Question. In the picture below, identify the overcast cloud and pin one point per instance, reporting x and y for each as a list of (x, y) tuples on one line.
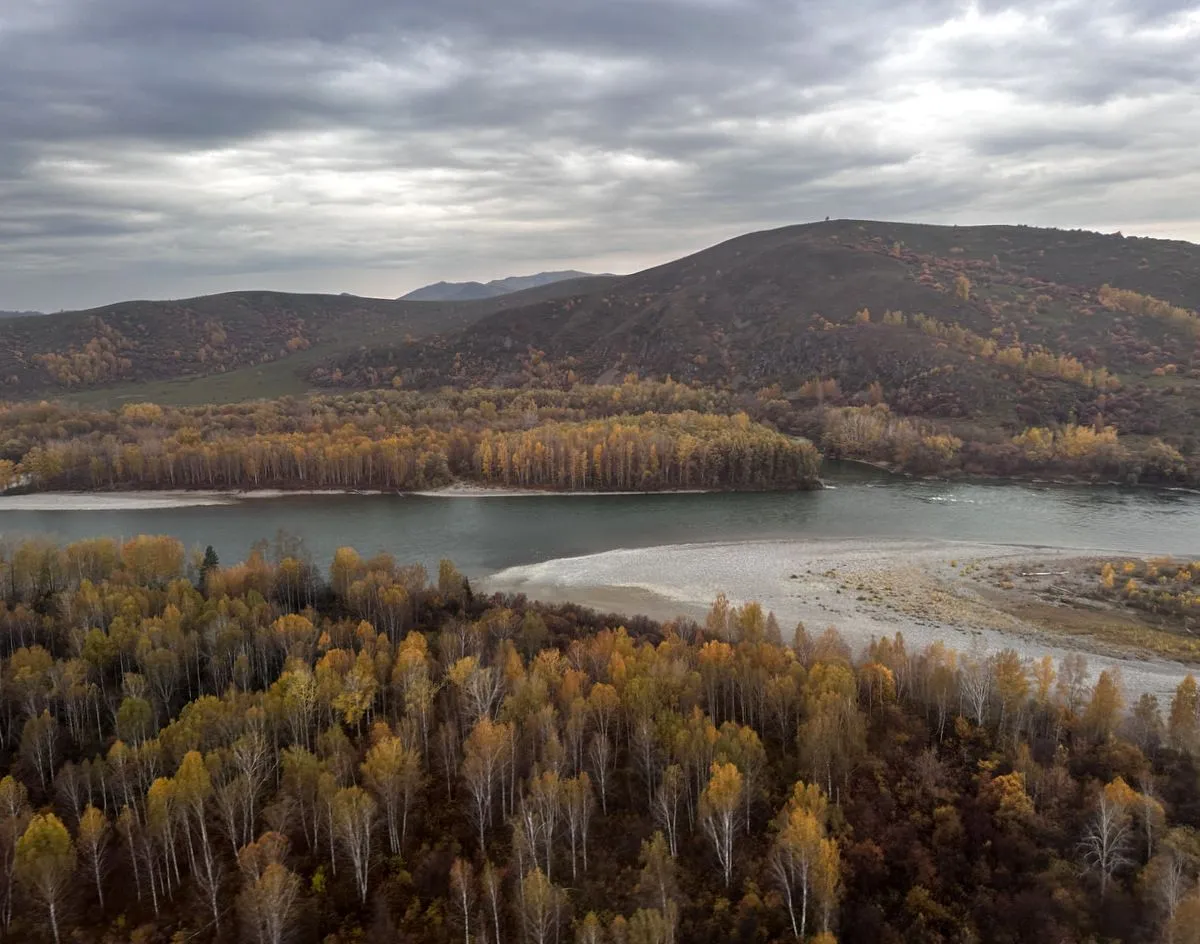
[(164, 148)]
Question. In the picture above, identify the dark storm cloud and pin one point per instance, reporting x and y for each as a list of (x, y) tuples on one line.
[(170, 146)]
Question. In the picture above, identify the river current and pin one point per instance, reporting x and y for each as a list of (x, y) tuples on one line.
[(485, 534)]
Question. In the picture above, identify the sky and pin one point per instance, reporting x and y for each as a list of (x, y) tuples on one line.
[(169, 148)]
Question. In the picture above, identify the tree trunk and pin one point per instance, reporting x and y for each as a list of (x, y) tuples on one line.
[(804, 907), (96, 873)]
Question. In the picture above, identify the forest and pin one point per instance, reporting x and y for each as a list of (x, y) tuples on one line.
[(634, 435), (195, 751), (609, 439)]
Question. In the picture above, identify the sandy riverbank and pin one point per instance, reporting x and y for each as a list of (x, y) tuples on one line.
[(181, 498), (928, 590), (143, 500)]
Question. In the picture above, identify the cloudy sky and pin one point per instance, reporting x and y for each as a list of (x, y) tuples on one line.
[(164, 148)]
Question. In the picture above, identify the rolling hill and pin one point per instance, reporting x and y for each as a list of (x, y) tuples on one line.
[(983, 330), (998, 326), (220, 347), (466, 291)]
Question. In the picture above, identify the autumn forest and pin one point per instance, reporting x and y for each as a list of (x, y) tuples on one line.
[(638, 435), (631, 437), (262, 752)]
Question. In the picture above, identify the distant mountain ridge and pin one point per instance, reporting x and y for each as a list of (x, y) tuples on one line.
[(19, 314), (468, 291)]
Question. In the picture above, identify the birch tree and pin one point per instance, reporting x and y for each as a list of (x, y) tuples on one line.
[(658, 880), (601, 763), (38, 740), (301, 781), (976, 683), (1106, 841), (540, 907), (795, 855), (254, 759), (668, 799), (392, 772), (579, 803), (193, 788), (720, 805), (546, 802), (45, 863), (94, 830), (270, 889), (1166, 876), (462, 891), (353, 822), (14, 817), (827, 881), (481, 769), (491, 881), (590, 930)]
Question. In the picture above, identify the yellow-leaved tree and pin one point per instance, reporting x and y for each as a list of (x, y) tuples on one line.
[(720, 806), (1183, 723), (94, 831), (805, 863), (45, 864), (392, 772), (270, 889)]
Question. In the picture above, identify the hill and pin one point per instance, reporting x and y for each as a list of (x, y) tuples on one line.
[(18, 314), (992, 328), (1010, 339), (219, 347), (465, 291)]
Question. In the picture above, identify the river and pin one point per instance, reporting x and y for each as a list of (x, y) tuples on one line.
[(486, 534)]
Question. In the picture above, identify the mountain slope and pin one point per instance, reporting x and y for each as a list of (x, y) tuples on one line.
[(117, 347), (465, 291), (1001, 325), (986, 330)]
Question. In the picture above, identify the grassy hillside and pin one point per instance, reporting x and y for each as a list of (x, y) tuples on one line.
[(219, 347), (999, 327)]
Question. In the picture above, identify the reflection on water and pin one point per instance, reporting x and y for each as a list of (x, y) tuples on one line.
[(483, 535)]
